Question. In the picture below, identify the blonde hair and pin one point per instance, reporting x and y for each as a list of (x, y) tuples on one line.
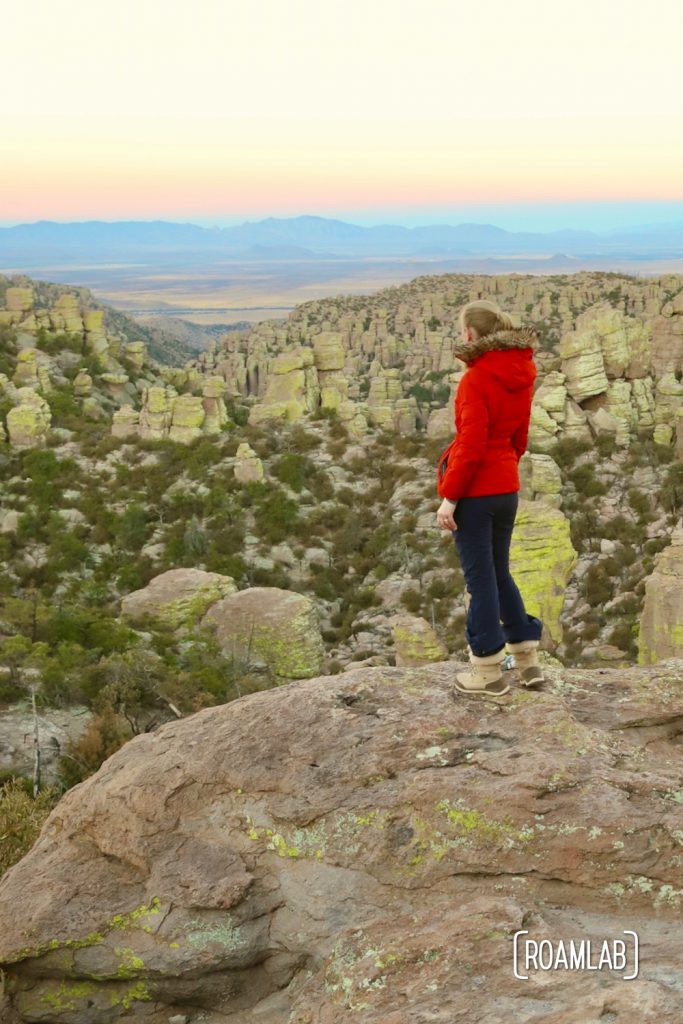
[(486, 317)]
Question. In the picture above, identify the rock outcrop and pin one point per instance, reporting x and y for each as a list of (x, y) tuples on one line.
[(540, 479), (28, 422), (248, 466), (293, 388), (266, 627), (178, 598), (610, 362), (660, 634), (541, 561), (415, 642), (364, 847)]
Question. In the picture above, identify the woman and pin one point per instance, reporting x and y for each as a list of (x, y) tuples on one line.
[(478, 479)]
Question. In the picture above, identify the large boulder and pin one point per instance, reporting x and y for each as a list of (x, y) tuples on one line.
[(29, 421), (187, 418), (661, 622), (364, 847), (125, 422), (19, 299), (542, 558), (293, 388), (541, 479), (272, 628), (177, 598), (415, 642), (248, 466), (582, 363)]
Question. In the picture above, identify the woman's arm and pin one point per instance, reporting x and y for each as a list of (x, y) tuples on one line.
[(469, 449)]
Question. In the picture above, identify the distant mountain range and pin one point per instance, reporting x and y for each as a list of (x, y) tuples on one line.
[(308, 237)]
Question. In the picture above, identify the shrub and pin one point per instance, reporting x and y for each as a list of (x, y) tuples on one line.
[(21, 818), (639, 501), (625, 555), (598, 585), (672, 489), (293, 469), (47, 341), (412, 600), (105, 734), (622, 637), (566, 450), (65, 409), (303, 440), (582, 476), (619, 528), (606, 445), (655, 544)]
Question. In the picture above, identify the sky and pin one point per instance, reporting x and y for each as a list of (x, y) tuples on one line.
[(530, 115)]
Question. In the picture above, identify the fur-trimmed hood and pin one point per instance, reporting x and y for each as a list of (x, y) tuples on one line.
[(512, 337), (509, 355)]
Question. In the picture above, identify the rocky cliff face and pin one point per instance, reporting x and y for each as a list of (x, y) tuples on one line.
[(60, 345), (612, 362), (661, 622), (364, 846)]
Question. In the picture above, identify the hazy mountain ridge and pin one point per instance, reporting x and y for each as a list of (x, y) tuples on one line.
[(296, 236)]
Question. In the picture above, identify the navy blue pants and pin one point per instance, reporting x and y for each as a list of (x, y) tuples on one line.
[(485, 525)]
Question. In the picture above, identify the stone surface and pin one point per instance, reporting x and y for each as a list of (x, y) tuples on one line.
[(187, 418), (661, 621), (541, 561), (415, 641), (178, 597), (29, 421), (364, 847), (248, 466), (19, 299), (156, 411), (125, 422), (540, 478), (293, 388), (270, 627), (56, 726)]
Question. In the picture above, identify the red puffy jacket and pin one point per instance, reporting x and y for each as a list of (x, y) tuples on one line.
[(492, 411)]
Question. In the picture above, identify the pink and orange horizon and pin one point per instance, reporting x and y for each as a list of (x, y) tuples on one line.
[(281, 109)]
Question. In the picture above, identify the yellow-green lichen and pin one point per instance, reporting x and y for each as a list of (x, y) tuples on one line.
[(65, 995), (130, 965), (475, 825), (133, 918), (126, 997), (343, 831)]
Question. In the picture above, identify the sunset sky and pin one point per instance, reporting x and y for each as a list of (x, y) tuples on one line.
[(525, 114)]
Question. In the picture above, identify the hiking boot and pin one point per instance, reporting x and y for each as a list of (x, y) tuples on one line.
[(526, 662), (485, 675)]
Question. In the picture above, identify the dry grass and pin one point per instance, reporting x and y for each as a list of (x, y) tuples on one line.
[(21, 819)]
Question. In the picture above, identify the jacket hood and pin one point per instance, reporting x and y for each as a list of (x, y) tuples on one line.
[(507, 354)]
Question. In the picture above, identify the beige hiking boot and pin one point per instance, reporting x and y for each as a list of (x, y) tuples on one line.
[(526, 662), (485, 675)]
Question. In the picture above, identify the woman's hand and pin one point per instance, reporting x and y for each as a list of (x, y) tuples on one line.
[(444, 516)]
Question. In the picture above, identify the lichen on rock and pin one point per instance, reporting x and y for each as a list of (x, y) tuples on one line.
[(350, 844)]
